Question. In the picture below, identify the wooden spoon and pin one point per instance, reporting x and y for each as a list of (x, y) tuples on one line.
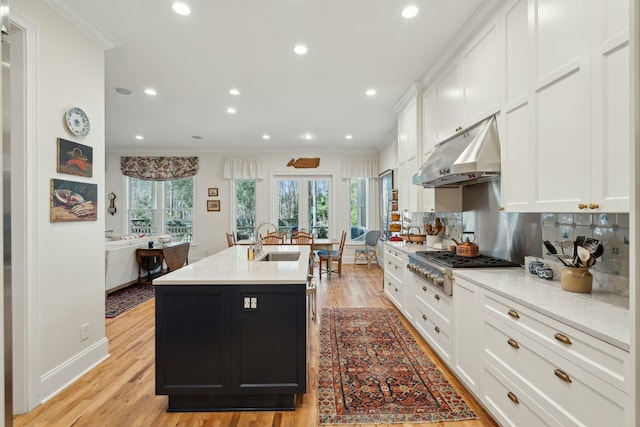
[(584, 256)]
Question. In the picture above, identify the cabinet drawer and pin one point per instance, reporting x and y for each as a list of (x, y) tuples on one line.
[(598, 357), (508, 403), (394, 264), (434, 334), (393, 287), (567, 391), (434, 304)]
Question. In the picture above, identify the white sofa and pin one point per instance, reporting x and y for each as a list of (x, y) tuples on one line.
[(121, 267)]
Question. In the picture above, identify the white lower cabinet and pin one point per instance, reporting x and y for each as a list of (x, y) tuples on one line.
[(466, 329), (395, 263), (571, 385)]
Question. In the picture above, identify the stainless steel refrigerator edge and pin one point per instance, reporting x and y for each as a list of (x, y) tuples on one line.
[(6, 214), (500, 234)]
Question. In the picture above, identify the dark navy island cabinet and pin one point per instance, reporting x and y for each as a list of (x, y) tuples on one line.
[(230, 347)]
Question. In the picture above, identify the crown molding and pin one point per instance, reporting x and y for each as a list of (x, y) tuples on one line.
[(85, 24)]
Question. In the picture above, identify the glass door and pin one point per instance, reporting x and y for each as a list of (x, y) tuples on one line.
[(302, 202)]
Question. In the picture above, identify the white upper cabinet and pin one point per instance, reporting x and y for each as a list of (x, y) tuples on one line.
[(408, 131), (409, 111), (610, 106), (565, 129), (481, 65), (449, 100), (429, 121)]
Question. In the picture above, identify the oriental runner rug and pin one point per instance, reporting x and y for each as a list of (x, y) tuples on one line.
[(124, 299), (373, 371)]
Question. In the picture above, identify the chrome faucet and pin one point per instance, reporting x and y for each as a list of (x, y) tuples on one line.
[(258, 237)]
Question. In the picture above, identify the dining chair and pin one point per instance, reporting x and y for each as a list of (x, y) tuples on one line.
[(332, 256), (304, 238), (231, 239), (312, 291), (369, 252), (273, 238)]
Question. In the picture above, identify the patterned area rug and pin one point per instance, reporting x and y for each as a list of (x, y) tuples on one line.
[(373, 371), (122, 300)]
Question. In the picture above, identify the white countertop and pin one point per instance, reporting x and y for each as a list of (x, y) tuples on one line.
[(409, 248), (603, 315), (231, 267)]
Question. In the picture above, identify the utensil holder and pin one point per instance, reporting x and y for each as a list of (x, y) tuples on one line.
[(575, 279)]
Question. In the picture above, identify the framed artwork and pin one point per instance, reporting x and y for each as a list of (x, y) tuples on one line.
[(213, 192), (213, 205), (73, 201), (74, 158)]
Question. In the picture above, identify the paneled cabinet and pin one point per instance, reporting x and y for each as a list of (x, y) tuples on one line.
[(395, 262), (566, 127), (409, 112)]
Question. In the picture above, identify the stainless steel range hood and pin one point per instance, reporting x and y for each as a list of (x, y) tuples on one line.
[(469, 157)]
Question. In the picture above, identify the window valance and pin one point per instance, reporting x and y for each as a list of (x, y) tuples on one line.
[(247, 168), (359, 168), (159, 168)]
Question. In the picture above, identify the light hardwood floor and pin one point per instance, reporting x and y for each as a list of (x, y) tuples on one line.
[(120, 392)]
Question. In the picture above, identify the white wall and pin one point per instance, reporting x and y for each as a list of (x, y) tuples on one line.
[(210, 227), (67, 266)]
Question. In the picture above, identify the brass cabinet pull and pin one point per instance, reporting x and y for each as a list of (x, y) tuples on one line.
[(437, 329), (582, 205), (396, 289), (436, 296), (513, 314), (512, 397), (562, 338), (513, 343), (424, 288), (501, 208), (424, 317), (593, 206), (562, 375)]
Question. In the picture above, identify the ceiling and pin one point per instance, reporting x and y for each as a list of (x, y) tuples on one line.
[(193, 61)]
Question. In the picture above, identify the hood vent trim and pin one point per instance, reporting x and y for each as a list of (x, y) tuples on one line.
[(469, 157)]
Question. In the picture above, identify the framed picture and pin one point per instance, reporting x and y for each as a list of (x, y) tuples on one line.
[(74, 158), (213, 192), (73, 201), (213, 205)]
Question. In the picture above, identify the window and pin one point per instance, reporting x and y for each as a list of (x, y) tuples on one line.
[(303, 203), (245, 211), (161, 207), (359, 214)]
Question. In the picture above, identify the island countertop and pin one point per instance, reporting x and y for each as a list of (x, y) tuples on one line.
[(231, 266)]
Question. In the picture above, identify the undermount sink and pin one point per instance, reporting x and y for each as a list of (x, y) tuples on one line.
[(280, 256)]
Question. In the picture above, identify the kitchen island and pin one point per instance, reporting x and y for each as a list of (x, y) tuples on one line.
[(231, 333)]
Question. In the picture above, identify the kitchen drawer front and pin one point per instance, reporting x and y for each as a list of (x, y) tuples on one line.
[(568, 392), (435, 335), (394, 289), (508, 404), (600, 358), (395, 264), (434, 304)]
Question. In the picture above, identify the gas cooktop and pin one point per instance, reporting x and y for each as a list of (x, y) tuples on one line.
[(451, 260)]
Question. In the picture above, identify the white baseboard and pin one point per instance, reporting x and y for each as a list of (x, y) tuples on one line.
[(56, 380)]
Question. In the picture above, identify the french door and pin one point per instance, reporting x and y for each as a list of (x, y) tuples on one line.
[(302, 202)]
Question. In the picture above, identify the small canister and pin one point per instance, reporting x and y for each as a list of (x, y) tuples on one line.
[(545, 273), (251, 253), (534, 266)]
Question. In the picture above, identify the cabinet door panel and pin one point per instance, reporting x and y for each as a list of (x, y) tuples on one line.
[(449, 94), (517, 167), (516, 53), (560, 34), (192, 343), (268, 340), (429, 121)]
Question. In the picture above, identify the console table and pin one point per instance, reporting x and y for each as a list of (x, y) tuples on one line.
[(173, 255)]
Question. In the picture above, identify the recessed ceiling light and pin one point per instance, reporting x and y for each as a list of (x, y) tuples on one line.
[(139, 137), (410, 12), (371, 92), (348, 136), (123, 91), (231, 110), (234, 91), (196, 137), (300, 49), (151, 92), (181, 8), (308, 136), (265, 136)]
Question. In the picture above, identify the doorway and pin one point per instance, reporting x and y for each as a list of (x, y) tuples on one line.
[(302, 202)]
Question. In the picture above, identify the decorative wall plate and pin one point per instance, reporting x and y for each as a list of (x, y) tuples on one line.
[(78, 122)]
